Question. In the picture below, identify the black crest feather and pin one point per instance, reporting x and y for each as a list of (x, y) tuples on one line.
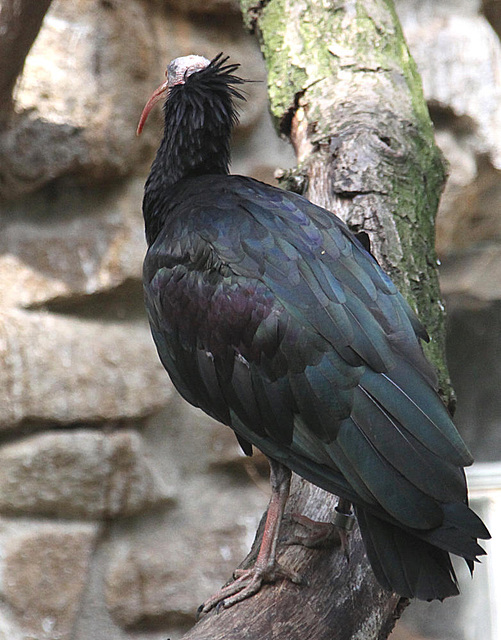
[(215, 84)]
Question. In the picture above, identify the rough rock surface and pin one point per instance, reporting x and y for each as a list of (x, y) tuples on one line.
[(167, 586), (458, 54), (69, 241), (79, 474), (44, 571), (72, 89), (63, 369), (210, 7), (85, 83)]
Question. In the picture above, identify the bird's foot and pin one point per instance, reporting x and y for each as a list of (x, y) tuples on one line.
[(316, 534), (249, 580), (310, 533), (246, 583)]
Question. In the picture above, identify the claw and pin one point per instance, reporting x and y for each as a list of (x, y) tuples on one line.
[(247, 583)]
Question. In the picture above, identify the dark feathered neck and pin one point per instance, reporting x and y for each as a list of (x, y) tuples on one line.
[(199, 116)]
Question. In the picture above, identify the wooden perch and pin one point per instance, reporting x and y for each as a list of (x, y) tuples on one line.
[(339, 598), (345, 89)]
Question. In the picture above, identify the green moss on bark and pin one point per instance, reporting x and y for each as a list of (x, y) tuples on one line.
[(318, 50)]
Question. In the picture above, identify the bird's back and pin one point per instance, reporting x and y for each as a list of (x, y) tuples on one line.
[(270, 316)]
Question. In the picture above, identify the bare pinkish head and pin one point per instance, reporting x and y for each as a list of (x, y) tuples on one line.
[(176, 73)]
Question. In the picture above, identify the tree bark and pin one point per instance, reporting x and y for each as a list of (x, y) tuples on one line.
[(20, 22), (344, 88)]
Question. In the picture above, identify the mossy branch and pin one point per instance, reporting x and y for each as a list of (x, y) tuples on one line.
[(344, 88)]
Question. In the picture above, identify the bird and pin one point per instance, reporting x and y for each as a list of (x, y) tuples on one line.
[(272, 317)]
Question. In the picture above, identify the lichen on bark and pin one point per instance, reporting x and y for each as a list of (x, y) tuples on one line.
[(345, 89)]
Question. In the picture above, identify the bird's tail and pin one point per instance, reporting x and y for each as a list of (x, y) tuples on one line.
[(411, 566)]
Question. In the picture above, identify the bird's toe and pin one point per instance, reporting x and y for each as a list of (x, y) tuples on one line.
[(312, 534), (246, 583)]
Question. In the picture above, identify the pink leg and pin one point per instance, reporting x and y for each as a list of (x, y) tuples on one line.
[(249, 581)]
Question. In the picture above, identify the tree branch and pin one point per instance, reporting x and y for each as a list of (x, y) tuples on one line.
[(345, 89), (339, 597), (20, 22)]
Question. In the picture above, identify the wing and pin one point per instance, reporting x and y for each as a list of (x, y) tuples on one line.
[(270, 316)]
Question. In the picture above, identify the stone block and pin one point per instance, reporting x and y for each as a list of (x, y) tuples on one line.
[(80, 93), (68, 242), (64, 369), (458, 55), (165, 584), (44, 573), (84, 474), (208, 7), (472, 279)]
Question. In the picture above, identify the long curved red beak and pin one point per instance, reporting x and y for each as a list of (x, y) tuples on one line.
[(157, 95)]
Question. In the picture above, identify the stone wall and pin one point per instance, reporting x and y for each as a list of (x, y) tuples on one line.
[(121, 508), (458, 53)]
